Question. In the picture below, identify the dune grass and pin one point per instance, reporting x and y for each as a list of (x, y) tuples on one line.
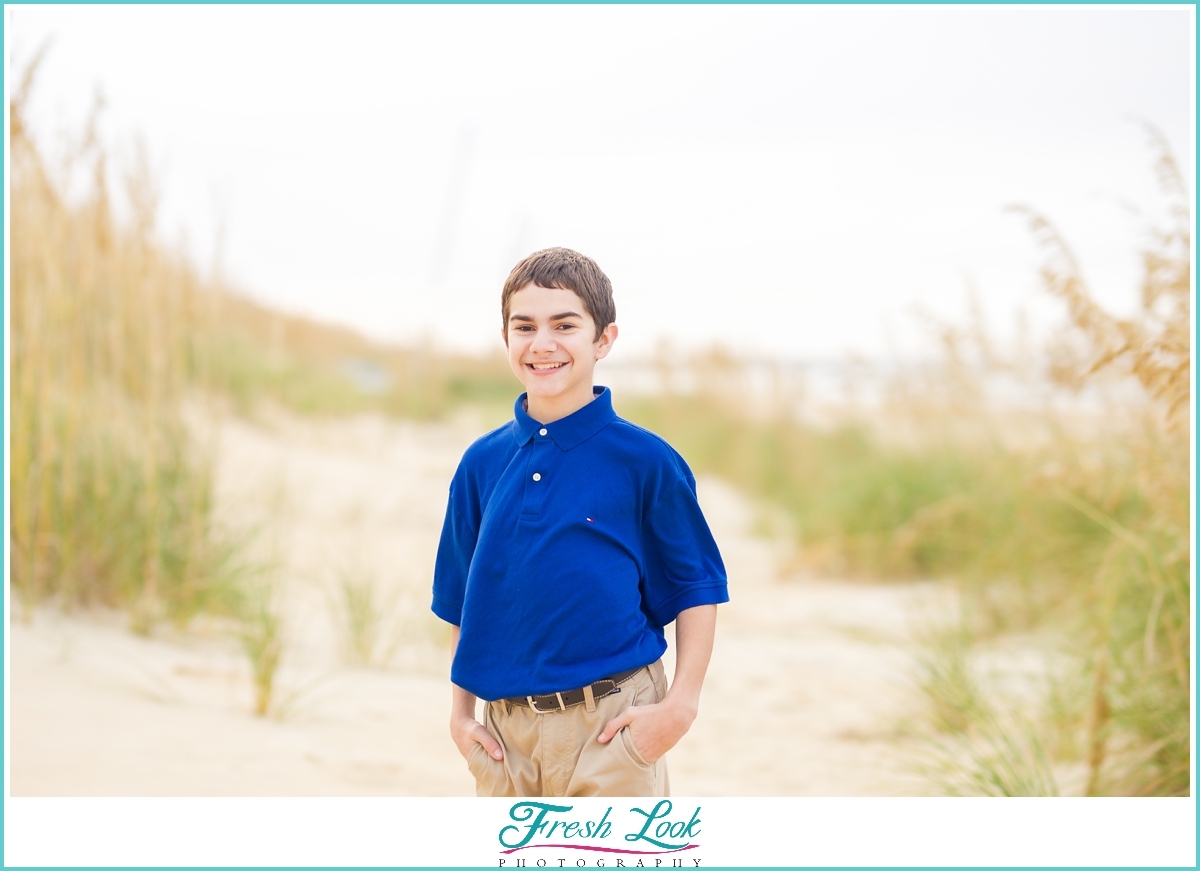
[(112, 333), (111, 501), (260, 631), (365, 616), (1076, 533), (321, 370), (1066, 514)]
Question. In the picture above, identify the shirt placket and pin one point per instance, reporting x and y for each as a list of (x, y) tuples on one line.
[(537, 477)]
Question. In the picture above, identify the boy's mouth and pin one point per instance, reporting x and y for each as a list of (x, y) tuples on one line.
[(544, 367)]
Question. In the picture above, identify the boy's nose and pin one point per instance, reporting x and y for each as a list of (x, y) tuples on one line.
[(544, 340)]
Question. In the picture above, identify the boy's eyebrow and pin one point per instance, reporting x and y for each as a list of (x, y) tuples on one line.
[(557, 317)]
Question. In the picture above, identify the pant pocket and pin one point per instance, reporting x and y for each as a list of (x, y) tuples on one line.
[(477, 759), (616, 767), (631, 748), (491, 775), (646, 690)]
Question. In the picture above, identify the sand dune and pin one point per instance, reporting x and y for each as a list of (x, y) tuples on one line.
[(807, 693)]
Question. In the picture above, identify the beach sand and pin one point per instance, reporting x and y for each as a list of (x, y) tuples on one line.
[(808, 694)]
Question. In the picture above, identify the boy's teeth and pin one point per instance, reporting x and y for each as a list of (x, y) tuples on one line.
[(545, 365)]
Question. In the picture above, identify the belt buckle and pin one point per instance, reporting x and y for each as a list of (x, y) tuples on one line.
[(533, 705)]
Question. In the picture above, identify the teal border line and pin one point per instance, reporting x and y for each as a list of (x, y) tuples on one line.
[(4, 363), (4, 374), (919, 3)]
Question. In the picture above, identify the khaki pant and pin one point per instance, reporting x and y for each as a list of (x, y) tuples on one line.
[(557, 754)]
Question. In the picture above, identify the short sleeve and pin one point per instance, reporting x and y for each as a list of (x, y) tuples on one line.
[(454, 553), (683, 565)]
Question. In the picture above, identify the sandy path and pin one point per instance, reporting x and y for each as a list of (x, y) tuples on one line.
[(806, 695)]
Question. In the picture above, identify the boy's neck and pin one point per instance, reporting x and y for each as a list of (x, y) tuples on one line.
[(547, 410)]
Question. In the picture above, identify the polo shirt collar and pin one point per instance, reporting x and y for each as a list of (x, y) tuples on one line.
[(572, 430)]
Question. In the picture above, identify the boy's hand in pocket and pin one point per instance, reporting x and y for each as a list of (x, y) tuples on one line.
[(655, 729), (467, 731)]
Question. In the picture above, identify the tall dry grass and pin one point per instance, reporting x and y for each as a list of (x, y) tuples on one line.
[(113, 332), (113, 336), (111, 501), (1050, 485)]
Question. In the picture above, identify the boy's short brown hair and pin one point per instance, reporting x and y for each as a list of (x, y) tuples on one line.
[(569, 270)]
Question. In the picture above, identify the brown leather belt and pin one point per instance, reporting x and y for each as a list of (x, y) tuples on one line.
[(552, 702)]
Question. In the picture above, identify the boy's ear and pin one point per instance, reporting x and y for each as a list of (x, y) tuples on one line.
[(607, 336), (504, 335)]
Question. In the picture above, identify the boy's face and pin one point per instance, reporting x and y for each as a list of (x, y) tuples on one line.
[(552, 349)]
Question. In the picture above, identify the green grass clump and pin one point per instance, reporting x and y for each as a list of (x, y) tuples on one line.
[(362, 612), (260, 630), (261, 356)]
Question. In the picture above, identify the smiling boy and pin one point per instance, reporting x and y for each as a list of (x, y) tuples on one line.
[(572, 538)]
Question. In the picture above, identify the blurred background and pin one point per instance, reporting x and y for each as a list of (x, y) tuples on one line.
[(910, 290)]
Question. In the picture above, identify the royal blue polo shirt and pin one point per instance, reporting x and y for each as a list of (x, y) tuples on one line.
[(567, 547)]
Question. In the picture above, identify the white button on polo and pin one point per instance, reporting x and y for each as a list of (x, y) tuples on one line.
[(542, 431), (537, 476)]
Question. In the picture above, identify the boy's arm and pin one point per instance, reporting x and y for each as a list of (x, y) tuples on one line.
[(464, 728), (657, 728)]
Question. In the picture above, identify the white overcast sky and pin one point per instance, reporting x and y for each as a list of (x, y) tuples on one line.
[(787, 180)]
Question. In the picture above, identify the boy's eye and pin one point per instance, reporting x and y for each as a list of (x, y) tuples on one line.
[(530, 328)]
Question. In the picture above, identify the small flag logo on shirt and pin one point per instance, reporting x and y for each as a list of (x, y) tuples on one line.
[(589, 520)]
